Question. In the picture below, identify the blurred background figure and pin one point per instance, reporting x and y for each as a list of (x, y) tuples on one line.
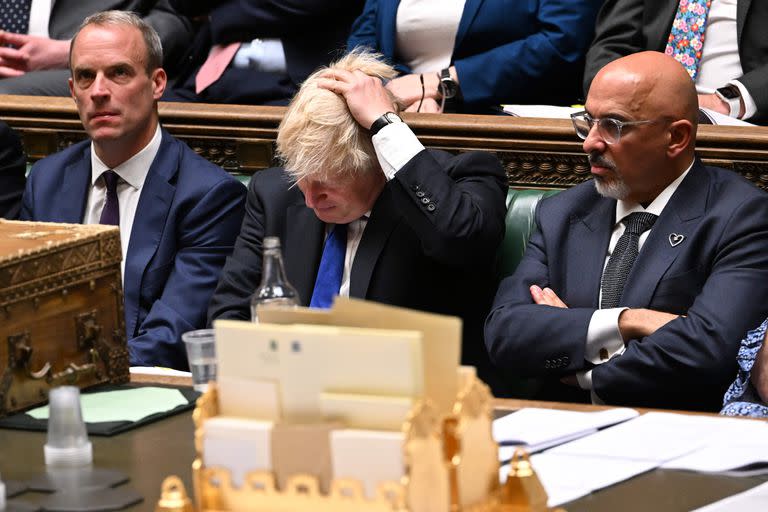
[(257, 52), (722, 43), (483, 52), (35, 37), (12, 169)]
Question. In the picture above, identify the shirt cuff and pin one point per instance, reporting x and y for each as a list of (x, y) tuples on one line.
[(603, 336), (750, 107), (395, 146)]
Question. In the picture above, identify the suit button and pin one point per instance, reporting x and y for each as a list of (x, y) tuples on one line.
[(566, 360), (431, 207), (425, 200), (420, 193), (414, 187), (547, 364)]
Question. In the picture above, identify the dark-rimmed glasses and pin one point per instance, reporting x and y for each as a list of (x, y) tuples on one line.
[(608, 128)]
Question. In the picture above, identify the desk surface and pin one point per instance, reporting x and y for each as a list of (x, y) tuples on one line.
[(150, 453)]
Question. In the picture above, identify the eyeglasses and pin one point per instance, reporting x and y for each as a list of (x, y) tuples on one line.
[(608, 127)]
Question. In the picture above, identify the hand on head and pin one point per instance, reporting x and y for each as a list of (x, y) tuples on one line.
[(365, 95)]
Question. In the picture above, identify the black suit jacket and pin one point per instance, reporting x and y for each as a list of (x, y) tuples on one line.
[(412, 255), (628, 26), (716, 277), (312, 31), (12, 171)]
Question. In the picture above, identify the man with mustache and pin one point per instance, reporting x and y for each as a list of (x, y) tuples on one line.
[(178, 214), (638, 285)]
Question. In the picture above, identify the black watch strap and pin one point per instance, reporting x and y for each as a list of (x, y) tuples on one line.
[(384, 120)]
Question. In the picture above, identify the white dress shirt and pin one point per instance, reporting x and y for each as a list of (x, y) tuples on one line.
[(720, 62), (604, 339), (426, 33), (395, 145), (39, 17), (132, 174)]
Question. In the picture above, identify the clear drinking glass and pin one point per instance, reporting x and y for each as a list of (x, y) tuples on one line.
[(201, 354)]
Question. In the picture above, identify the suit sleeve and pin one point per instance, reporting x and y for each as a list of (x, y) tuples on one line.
[(455, 205), (506, 72), (242, 271), (12, 171), (618, 33), (206, 234), (175, 31), (363, 31), (524, 338), (695, 355)]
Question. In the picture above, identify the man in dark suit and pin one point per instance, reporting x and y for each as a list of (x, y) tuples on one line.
[(178, 214), (422, 227), (36, 63), (280, 43), (734, 56), (639, 284), (13, 166)]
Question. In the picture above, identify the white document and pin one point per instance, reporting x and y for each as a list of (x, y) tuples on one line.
[(537, 429), (738, 459), (370, 456), (545, 111), (722, 119), (238, 445), (654, 437), (753, 500), (566, 477)]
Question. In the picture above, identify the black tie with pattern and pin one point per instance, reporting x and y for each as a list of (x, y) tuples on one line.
[(623, 257), (14, 16)]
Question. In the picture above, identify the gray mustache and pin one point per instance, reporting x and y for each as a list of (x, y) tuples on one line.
[(600, 161)]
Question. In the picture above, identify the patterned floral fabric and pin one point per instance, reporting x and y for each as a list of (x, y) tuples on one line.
[(742, 399), (687, 36)]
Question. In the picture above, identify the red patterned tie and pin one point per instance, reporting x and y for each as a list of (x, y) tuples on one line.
[(213, 67), (686, 39)]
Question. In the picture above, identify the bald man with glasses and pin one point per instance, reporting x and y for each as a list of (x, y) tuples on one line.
[(637, 285)]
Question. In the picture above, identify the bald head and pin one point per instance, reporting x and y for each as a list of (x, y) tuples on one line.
[(654, 100), (653, 84)]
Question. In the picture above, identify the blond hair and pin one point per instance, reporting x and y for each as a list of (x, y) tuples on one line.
[(318, 136)]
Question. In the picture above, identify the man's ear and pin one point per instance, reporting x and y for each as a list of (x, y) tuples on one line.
[(681, 136), (159, 81), (72, 88)]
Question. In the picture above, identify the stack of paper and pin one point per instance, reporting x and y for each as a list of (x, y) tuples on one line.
[(538, 429)]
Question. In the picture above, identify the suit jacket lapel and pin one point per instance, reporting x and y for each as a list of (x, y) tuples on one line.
[(681, 215), (384, 217), (75, 184), (471, 7), (388, 15), (303, 243), (742, 7), (150, 222), (590, 235)]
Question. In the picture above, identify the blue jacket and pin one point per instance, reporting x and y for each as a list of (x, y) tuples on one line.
[(186, 222), (506, 51)]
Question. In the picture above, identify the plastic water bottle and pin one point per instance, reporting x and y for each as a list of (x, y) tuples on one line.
[(274, 288)]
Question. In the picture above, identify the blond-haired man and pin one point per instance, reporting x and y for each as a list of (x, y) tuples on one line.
[(422, 227)]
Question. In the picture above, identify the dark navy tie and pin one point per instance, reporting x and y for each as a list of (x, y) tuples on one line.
[(111, 212), (331, 268), (14, 16), (623, 257)]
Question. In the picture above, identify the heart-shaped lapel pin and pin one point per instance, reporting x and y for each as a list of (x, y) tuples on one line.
[(675, 239)]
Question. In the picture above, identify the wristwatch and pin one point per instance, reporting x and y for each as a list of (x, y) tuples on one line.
[(385, 119), (450, 88), (732, 96)]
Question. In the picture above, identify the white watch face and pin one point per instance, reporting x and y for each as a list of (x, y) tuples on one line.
[(392, 117)]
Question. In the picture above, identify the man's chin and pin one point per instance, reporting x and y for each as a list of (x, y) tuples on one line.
[(612, 189)]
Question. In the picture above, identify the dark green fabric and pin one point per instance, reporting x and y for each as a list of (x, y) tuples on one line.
[(520, 221)]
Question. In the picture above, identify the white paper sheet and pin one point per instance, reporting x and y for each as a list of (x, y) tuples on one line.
[(538, 429)]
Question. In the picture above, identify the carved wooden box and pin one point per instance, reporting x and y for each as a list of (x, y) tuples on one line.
[(61, 310)]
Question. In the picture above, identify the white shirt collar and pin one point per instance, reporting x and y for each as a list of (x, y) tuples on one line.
[(134, 170), (624, 208)]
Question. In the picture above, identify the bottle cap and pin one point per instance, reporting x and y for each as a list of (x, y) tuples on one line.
[(271, 242), (68, 443)]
